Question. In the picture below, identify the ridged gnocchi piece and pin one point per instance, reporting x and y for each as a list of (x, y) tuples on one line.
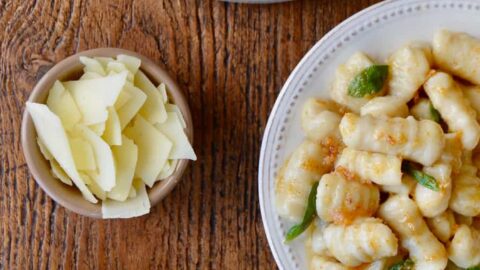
[(421, 141), (443, 225), (409, 68), (432, 203), (452, 152), (379, 168), (457, 53), (344, 75), (341, 201), (295, 179), (387, 106), (465, 198), (382, 264), (402, 215), (326, 263), (316, 242), (421, 110), (454, 108), (472, 93), (405, 187), (363, 241), (464, 250), (320, 119)]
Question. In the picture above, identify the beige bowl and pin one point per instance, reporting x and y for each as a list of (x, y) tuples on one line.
[(71, 68)]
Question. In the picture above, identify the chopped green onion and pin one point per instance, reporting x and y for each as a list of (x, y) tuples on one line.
[(434, 114), (422, 178), (402, 265), (369, 81), (307, 217)]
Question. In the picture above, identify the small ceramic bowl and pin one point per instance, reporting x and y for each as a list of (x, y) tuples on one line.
[(71, 68)]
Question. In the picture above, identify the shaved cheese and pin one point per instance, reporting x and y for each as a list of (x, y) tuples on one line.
[(168, 169), (82, 154), (99, 128), (132, 63), (172, 128), (154, 109), (113, 131), (122, 99), (90, 75), (95, 95), (174, 108), (104, 61), (132, 207), (61, 103), (88, 180), (126, 160), (131, 108), (92, 65), (132, 193), (59, 173), (118, 67), (50, 130), (103, 158), (163, 91), (93, 186), (43, 149), (153, 149)]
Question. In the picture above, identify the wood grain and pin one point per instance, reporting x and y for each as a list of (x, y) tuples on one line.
[(231, 60)]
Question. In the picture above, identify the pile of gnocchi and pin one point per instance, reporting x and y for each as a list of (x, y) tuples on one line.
[(111, 133), (387, 176)]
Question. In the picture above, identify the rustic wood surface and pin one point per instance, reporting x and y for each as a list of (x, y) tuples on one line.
[(231, 61)]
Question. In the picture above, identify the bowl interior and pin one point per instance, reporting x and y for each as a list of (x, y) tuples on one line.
[(71, 68)]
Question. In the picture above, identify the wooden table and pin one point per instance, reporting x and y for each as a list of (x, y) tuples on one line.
[(231, 61)]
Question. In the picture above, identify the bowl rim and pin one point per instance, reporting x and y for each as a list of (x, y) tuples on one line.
[(156, 72)]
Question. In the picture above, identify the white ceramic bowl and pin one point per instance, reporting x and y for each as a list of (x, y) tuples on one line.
[(377, 31)]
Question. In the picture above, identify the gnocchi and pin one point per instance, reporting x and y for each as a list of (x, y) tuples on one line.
[(306, 165), (454, 108), (379, 168), (403, 216), (388, 171), (464, 250), (421, 141), (432, 203), (341, 201), (363, 241), (320, 119), (343, 76), (457, 53), (443, 225), (388, 106), (466, 192), (409, 69)]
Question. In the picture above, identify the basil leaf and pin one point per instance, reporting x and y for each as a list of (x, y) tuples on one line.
[(474, 268), (434, 114), (422, 178), (307, 217), (402, 265), (369, 81)]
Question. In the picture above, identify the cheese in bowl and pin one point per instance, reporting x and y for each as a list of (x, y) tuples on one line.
[(111, 133)]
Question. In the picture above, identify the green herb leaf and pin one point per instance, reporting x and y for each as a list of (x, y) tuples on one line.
[(402, 265), (369, 81), (422, 178), (434, 113), (474, 268), (307, 217)]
